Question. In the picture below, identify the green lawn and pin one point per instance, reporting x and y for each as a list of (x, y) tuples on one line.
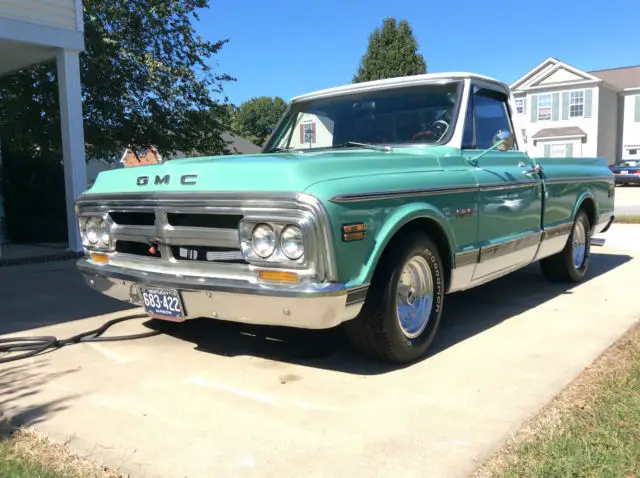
[(627, 220), (15, 465), (598, 434)]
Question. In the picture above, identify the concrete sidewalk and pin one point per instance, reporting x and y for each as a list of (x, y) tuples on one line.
[(213, 399)]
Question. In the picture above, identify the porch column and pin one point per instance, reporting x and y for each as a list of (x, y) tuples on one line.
[(75, 166)]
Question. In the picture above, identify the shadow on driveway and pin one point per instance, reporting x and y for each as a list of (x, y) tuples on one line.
[(50, 293), (465, 315), (23, 380)]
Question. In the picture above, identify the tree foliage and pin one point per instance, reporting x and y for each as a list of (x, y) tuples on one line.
[(255, 118), (392, 52), (145, 80)]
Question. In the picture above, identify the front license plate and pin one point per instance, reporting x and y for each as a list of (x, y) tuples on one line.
[(163, 304)]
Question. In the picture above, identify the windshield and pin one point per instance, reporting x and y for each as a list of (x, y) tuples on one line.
[(408, 115)]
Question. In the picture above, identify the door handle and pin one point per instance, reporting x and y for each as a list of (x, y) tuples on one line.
[(537, 169)]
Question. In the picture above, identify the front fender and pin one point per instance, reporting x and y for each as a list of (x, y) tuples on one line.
[(395, 221)]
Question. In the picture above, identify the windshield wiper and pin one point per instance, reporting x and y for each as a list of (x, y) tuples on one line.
[(377, 147)]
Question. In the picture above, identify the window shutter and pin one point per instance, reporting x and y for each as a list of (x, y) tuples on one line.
[(313, 132), (547, 150), (534, 108), (555, 106), (565, 105), (568, 150), (588, 94), (637, 116), (301, 134)]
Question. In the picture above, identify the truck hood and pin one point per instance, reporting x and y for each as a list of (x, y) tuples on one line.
[(278, 172)]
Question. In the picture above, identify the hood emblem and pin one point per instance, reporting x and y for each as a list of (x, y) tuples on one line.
[(165, 179)]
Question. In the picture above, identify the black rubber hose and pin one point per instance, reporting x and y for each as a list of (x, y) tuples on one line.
[(35, 345)]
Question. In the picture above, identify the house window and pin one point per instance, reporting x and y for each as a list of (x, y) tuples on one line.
[(544, 107), (308, 132), (558, 151), (576, 104), (520, 105)]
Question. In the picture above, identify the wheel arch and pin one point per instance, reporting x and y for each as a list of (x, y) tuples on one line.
[(423, 218), (587, 201)]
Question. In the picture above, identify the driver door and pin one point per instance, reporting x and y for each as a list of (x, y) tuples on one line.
[(510, 203)]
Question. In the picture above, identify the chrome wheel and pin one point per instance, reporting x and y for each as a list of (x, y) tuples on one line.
[(579, 246), (414, 299)]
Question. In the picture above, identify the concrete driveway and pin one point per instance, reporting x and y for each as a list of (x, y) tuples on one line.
[(207, 398)]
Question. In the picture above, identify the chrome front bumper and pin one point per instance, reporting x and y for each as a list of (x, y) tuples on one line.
[(304, 306)]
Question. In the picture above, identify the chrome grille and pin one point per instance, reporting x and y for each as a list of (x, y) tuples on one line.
[(163, 234), (196, 234)]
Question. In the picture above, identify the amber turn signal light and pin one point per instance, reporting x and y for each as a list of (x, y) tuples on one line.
[(99, 258), (278, 276), (354, 232)]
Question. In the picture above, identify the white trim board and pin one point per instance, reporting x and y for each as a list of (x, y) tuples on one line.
[(38, 34)]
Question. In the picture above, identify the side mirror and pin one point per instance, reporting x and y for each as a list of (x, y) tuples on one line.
[(503, 140)]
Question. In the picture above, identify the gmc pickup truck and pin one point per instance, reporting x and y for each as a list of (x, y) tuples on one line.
[(368, 205)]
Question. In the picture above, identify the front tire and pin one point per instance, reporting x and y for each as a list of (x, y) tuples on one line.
[(571, 264), (403, 307)]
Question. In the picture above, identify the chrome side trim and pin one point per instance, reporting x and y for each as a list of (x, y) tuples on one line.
[(533, 246), (465, 258), (580, 179), (553, 240), (409, 193), (509, 246), (558, 230)]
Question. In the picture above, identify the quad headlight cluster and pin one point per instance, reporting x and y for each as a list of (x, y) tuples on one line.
[(272, 242), (95, 233)]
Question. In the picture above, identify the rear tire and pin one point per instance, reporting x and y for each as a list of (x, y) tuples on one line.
[(403, 307), (571, 264)]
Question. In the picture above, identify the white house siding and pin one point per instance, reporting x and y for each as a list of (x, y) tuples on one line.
[(607, 120), (54, 13), (631, 126), (560, 117)]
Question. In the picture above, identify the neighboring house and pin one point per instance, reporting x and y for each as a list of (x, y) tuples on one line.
[(316, 131), (35, 31), (235, 145), (565, 111)]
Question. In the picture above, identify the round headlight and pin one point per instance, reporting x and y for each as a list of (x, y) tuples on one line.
[(292, 242), (103, 233), (93, 226), (263, 240)]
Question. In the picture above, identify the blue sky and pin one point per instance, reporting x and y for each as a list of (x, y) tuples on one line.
[(285, 48)]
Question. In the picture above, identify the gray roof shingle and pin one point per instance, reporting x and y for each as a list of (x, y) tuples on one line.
[(621, 78), (559, 132)]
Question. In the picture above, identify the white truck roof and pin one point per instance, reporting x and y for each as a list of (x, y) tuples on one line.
[(413, 80)]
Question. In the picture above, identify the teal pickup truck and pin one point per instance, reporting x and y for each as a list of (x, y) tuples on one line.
[(367, 206)]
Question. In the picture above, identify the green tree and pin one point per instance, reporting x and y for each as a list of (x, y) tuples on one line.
[(255, 118), (392, 52), (145, 80)]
